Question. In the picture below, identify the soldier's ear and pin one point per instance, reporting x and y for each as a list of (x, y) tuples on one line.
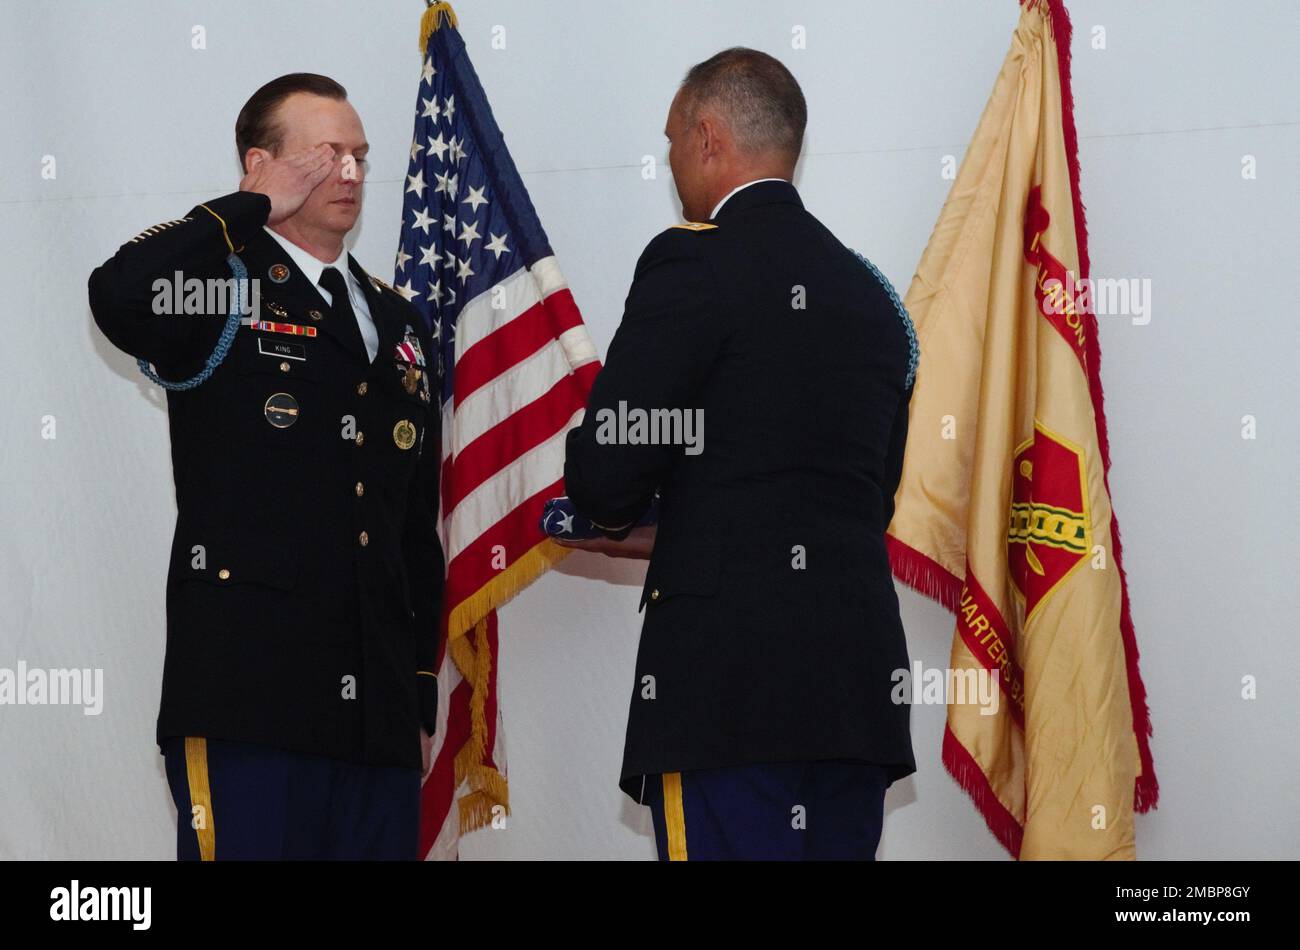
[(708, 141), (254, 158)]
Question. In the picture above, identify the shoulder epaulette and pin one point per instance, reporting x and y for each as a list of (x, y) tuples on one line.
[(696, 226)]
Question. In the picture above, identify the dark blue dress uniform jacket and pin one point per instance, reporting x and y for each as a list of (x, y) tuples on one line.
[(305, 583), (746, 657)]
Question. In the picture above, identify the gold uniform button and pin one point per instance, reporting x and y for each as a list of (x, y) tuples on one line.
[(362, 388), (224, 574), (361, 489), (654, 594), (284, 367), (314, 314), (361, 438), (363, 539)]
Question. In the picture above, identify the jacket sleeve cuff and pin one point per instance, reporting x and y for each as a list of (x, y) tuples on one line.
[(426, 687), (616, 534)]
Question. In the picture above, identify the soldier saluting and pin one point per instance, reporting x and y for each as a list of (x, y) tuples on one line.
[(305, 580)]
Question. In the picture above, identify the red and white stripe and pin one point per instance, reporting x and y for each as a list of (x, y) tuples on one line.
[(523, 368)]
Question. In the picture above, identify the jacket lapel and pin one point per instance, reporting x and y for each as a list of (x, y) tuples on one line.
[(296, 289), (386, 323)]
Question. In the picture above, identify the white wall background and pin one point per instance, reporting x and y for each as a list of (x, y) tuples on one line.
[(141, 127)]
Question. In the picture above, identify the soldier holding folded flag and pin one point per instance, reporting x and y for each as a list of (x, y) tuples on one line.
[(761, 721)]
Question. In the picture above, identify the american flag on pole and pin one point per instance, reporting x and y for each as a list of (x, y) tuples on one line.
[(516, 366)]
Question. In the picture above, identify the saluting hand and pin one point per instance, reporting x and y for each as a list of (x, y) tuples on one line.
[(289, 179)]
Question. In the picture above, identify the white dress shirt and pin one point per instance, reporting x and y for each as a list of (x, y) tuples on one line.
[(719, 205), (312, 267)]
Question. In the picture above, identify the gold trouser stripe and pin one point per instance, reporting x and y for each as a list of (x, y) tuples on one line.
[(196, 770), (674, 816)]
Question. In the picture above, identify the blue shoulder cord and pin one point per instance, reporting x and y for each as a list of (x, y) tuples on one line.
[(915, 350), (223, 342)]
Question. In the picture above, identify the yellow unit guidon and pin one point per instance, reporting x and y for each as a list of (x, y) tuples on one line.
[(1003, 514)]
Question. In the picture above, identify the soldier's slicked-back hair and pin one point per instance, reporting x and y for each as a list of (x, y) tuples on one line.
[(257, 126), (756, 94)]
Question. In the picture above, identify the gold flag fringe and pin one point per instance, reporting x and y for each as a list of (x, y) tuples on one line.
[(434, 18), (488, 787), (495, 593)]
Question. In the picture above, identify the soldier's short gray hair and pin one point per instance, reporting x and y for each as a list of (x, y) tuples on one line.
[(757, 96)]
